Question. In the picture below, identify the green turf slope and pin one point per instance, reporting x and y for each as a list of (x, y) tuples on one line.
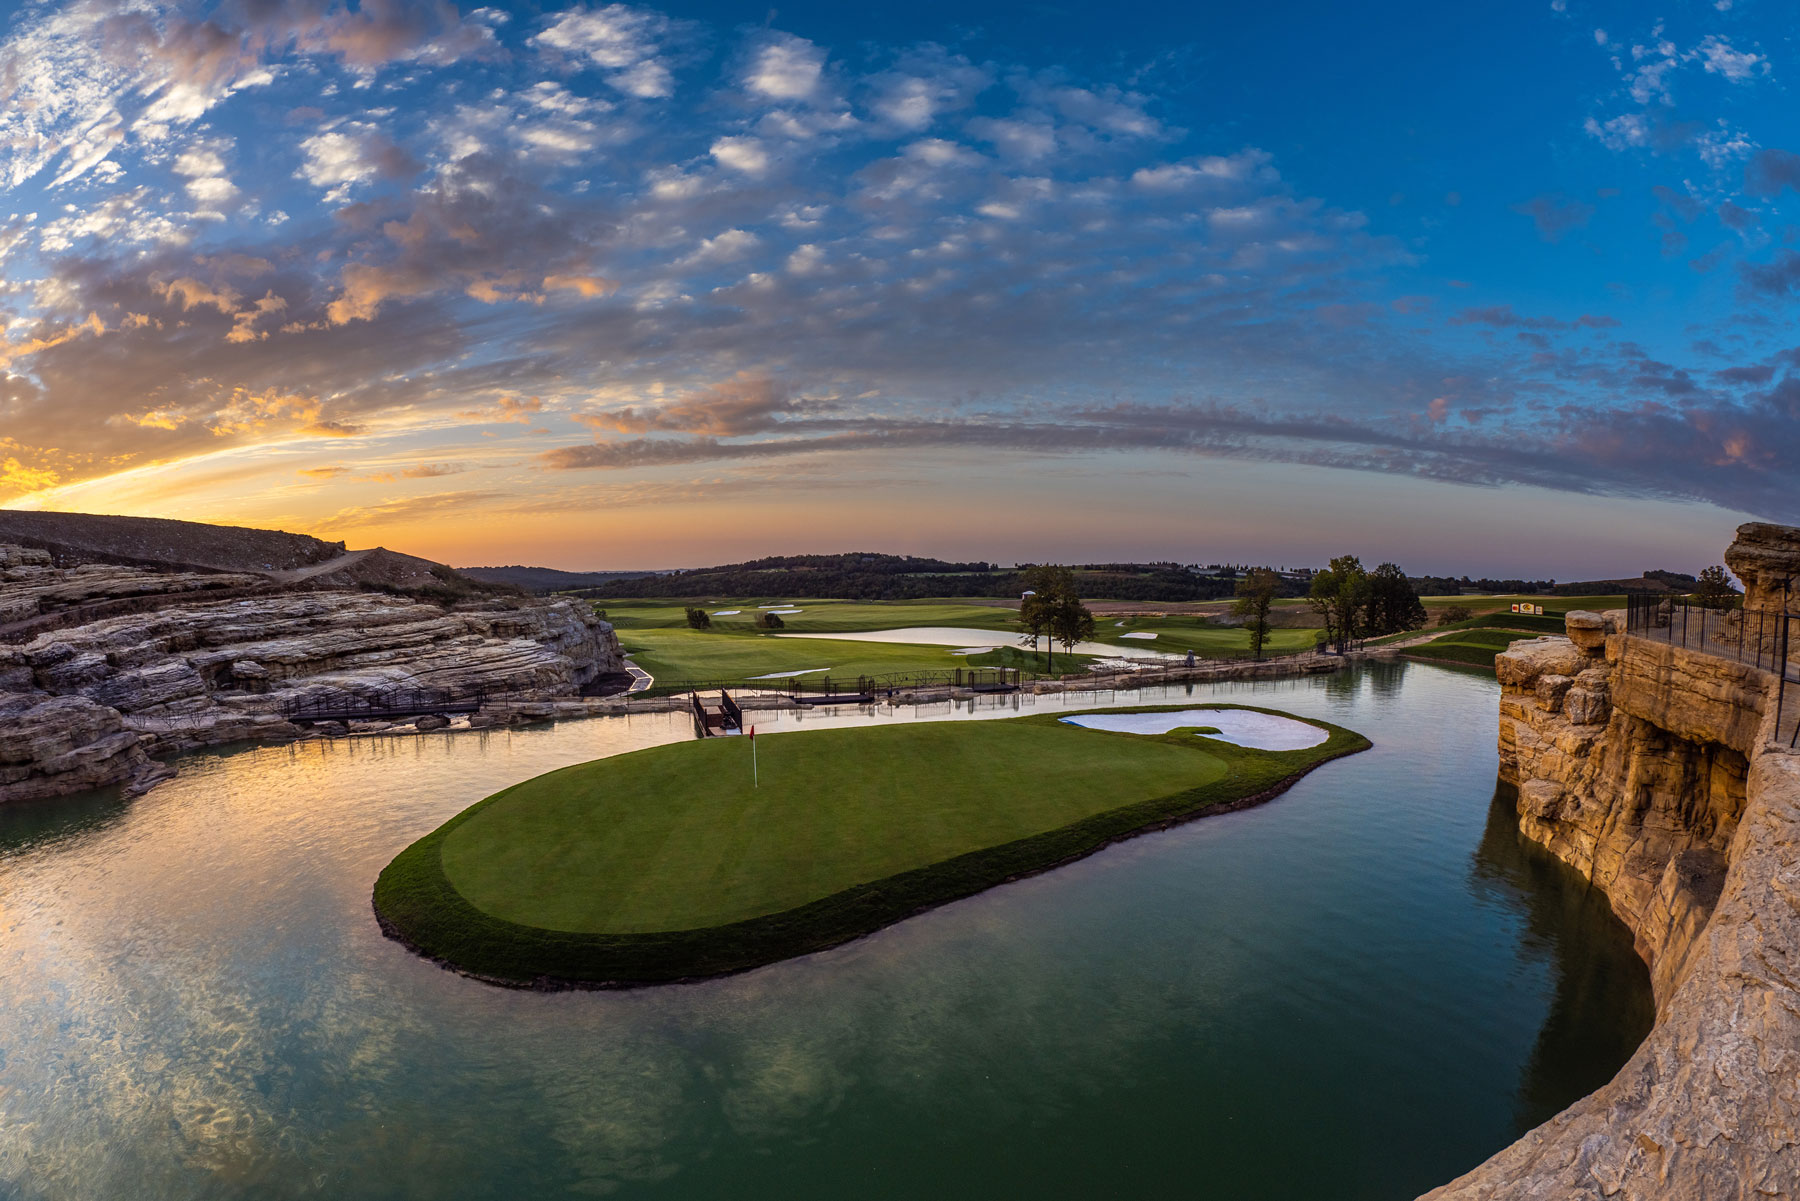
[(666, 864)]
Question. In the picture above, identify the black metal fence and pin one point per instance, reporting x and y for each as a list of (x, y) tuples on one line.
[(1755, 637)]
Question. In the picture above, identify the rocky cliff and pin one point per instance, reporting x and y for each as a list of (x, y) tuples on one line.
[(1655, 771), (85, 703)]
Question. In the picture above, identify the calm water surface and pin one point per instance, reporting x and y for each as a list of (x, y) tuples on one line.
[(1357, 991)]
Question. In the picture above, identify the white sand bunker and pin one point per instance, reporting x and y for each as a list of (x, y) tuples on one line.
[(788, 675), (726, 612), (1264, 731), (1138, 634), (975, 650)]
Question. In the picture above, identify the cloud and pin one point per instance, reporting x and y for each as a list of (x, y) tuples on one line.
[(727, 247), (1720, 58), (203, 165), (742, 154), (519, 410), (427, 471), (406, 510), (1779, 278), (785, 68), (622, 42), (1555, 215), (745, 404), (1770, 171), (338, 161), (924, 86)]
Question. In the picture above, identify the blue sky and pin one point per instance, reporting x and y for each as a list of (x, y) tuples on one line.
[(1481, 287)]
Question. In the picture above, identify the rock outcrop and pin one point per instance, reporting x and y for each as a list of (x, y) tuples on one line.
[(85, 704), (1655, 770)]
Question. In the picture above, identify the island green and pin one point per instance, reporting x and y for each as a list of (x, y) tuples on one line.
[(675, 862)]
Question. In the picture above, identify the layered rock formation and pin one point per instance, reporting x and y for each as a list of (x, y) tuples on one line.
[(85, 704), (1655, 771)]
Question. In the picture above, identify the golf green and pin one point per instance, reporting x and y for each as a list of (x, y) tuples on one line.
[(679, 862)]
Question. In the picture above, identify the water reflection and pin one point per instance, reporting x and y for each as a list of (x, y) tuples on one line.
[(199, 1004), (1601, 1006)]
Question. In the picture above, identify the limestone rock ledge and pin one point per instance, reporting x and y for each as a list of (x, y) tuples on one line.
[(1652, 770), (85, 706)]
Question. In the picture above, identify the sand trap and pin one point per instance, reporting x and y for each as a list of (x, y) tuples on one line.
[(726, 612), (1139, 634), (1264, 731), (975, 650), (788, 675), (783, 605)]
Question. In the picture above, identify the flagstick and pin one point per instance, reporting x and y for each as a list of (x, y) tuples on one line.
[(755, 779)]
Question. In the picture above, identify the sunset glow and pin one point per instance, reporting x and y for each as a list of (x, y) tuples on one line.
[(607, 287)]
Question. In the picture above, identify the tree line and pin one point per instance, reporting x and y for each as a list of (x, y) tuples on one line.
[(1351, 603)]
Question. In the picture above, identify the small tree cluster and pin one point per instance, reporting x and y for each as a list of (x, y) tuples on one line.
[(1449, 615), (1354, 603), (1714, 590), (1053, 608), (770, 621), (699, 619)]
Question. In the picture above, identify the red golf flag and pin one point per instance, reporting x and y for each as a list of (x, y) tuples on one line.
[(753, 731)]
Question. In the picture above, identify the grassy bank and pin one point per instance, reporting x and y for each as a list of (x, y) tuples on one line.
[(656, 635), (680, 658), (666, 863), (1476, 647)]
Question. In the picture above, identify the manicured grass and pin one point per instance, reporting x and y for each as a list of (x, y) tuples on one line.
[(1473, 646), (676, 837), (666, 863), (817, 616), (1176, 634), (683, 657), (658, 639), (1523, 625)]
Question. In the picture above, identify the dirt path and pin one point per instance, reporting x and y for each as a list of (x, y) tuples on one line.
[(295, 575)]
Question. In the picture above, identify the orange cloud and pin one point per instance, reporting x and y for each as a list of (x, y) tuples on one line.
[(589, 286), (510, 409), (191, 294), (12, 351)]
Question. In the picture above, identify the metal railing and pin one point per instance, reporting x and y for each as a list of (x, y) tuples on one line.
[(1768, 641)]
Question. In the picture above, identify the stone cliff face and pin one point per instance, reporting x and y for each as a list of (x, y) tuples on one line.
[(84, 705), (1655, 771)]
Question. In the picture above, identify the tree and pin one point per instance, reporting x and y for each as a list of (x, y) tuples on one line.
[(1393, 605), (1714, 590), (770, 621), (1256, 592), (1070, 621), (699, 619), (1451, 614), (1046, 584), (1339, 595)]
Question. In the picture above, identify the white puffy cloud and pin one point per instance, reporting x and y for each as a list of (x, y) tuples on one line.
[(203, 166), (339, 159), (742, 154), (623, 42), (785, 68), (1720, 58)]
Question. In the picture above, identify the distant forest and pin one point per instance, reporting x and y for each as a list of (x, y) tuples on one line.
[(904, 577)]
